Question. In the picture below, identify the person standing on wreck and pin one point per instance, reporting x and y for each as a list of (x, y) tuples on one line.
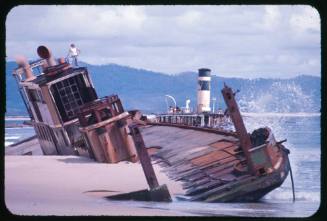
[(73, 53)]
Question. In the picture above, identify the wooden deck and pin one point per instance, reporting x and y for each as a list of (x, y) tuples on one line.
[(205, 163), (201, 160)]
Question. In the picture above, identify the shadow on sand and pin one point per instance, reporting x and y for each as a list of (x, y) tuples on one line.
[(76, 160)]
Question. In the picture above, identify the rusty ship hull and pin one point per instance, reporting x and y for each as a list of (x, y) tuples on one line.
[(207, 162)]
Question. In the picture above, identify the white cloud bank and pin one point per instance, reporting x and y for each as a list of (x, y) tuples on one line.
[(244, 41)]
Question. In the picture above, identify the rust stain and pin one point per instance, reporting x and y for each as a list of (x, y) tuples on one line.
[(222, 144), (209, 158), (153, 150)]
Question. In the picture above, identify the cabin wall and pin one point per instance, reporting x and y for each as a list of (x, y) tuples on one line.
[(128, 141), (63, 143), (46, 138), (76, 139), (31, 101), (111, 142), (70, 94), (96, 146), (53, 141), (50, 106)]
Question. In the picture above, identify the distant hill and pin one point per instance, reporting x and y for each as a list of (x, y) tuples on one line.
[(146, 90)]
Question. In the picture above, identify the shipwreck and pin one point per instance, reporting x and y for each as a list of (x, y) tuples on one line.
[(214, 164)]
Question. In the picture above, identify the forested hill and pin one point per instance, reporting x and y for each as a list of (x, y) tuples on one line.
[(146, 90)]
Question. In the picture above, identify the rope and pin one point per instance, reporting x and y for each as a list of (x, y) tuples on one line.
[(293, 191)]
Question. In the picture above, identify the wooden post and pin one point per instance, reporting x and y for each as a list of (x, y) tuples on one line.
[(144, 157), (239, 125)]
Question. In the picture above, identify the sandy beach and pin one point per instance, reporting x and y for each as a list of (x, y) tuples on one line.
[(71, 185)]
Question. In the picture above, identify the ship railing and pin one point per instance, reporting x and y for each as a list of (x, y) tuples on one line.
[(36, 67)]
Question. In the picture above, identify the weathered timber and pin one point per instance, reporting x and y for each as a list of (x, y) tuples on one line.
[(242, 134), (156, 193), (201, 188), (220, 188), (144, 157), (214, 171)]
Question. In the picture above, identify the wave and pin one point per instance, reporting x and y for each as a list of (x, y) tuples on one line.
[(299, 196), (12, 137), (7, 143), (281, 114), (280, 96), (19, 128), (13, 118)]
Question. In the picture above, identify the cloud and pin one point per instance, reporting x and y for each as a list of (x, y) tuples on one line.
[(306, 20), (250, 41), (81, 22), (189, 18), (272, 17)]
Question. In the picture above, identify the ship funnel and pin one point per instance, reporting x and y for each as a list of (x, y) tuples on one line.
[(45, 53), (204, 79), (187, 106), (22, 62)]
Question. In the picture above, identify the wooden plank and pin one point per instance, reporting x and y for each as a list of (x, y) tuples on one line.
[(110, 149), (211, 184), (196, 183), (195, 169), (144, 157), (195, 177), (219, 174), (247, 185), (222, 144), (187, 157), (217, 169), (209, 158), (204, 187), (173, 136), (178, 176), (221, 188)]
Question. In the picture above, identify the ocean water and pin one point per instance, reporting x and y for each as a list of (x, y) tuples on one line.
[(302, 132), (15, 134)]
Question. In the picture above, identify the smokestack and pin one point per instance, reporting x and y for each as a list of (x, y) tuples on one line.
[(22, 62), (204, 79), (45, 53), (187, 106), (61, 61)]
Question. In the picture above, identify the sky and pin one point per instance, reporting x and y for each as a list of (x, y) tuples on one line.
[(233, 41)]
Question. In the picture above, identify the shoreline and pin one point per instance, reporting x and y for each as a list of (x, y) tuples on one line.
[(12, 118), (18, 126)]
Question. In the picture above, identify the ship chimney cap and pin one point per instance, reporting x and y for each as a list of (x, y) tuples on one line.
[(21, 60), (204, 72), (44, 52)]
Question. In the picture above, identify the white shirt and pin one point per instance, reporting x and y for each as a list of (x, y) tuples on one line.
[(73, 51)]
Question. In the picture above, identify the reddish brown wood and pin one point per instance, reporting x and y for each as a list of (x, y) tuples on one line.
[(144, 157), (239, 125), (209, 158)]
